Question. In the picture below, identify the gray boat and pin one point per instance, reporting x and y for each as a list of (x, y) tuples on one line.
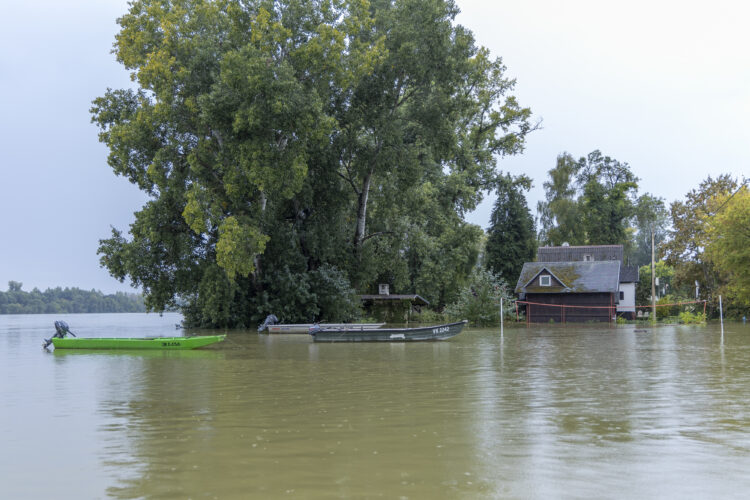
[(436, 332)]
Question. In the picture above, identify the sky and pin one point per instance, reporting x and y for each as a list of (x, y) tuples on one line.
[(661, 85)]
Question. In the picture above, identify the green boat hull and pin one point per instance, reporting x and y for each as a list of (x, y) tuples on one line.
[(175, 343)]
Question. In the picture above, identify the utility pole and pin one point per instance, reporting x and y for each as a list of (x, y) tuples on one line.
[(653, 272), (501, 317)]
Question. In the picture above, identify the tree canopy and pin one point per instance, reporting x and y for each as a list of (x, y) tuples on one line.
[(685, 250), (298, 152), (66, 300), (650, 215), (559, 214), (729, 245), (594, 201), (511, 239), (588, 202), (607, 201)]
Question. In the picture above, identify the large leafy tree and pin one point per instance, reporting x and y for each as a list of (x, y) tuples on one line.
[(588, 202), (289, 145), (559, 213), (728, 247), (650, 215), (511, 239), (607, 199), (689, 237)]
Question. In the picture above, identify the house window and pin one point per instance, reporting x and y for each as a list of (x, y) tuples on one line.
[(622, 295), (588, 258), (545, 280)]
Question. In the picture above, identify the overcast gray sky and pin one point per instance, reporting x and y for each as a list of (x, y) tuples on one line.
[(662, 85)]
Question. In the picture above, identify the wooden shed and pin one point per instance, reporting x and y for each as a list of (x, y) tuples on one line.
[(393, 308), (564, 292)]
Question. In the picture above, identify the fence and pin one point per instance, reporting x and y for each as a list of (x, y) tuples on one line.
[(540, 312)]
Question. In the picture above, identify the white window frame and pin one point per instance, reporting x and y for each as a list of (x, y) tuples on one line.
[(543, 278)]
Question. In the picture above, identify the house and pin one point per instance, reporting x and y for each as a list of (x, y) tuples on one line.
[(564, 292), (628, 281), (591, 282)]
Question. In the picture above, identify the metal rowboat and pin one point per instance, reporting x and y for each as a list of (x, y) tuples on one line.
[(436, 332)]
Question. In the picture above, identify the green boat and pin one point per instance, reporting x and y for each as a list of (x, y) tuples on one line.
[(137, 343), (61, 341)]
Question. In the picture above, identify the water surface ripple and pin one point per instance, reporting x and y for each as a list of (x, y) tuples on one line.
[(543, 412)]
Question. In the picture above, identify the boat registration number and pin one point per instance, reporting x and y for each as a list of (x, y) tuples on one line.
[(171, 344), (440, 330)]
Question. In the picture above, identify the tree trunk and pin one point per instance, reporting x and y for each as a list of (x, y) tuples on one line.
[(359, 231), (256, 276)]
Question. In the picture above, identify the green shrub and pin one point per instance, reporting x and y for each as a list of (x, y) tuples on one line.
[(479, 301), (336, 299), (430, 316), (691, 318), (667, 311)]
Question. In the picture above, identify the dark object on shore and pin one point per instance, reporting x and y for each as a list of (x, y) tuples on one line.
[(437, 332), (61, 330), (271, 319), (640, 331)]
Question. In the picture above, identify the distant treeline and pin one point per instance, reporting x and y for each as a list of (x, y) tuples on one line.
[(66, 300)]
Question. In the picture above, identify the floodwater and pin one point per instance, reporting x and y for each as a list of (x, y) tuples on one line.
[(541, 412)]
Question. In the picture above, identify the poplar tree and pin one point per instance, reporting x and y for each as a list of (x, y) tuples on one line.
[(298, 151)]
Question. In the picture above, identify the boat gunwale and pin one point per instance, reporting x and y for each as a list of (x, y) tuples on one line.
[(223, 335), (397, 330)]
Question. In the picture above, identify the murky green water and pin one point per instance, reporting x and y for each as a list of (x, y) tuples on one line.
[(541, 413)]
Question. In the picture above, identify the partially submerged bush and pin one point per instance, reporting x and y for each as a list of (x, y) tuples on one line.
[(336, 299), (479, 301), (430, 316), (691, 318), (667, 310)]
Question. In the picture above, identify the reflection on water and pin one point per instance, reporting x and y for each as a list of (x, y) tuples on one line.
[(212, 352), (547, 412)]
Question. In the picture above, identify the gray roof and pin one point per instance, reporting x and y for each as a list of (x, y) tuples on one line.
[(629, 274), (575, 254), (576, 277)]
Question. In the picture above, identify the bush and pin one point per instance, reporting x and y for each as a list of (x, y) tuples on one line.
[(667, 311), (691, 318), (479, 301), (430, 316), (336, 299)]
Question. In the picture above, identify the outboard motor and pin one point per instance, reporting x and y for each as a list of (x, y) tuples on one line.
[(61, 330), (314, 329), (270, 320)]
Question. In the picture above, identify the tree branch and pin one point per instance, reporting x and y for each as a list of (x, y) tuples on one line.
[(379, 233), (349, 180)]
